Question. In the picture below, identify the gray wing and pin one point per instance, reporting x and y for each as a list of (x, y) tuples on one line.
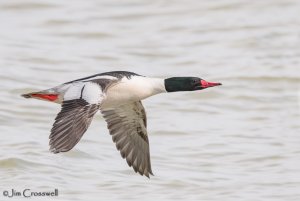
[(70, 124), (127, 125)]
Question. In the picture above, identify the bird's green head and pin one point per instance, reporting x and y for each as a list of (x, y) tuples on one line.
[(187, 84)]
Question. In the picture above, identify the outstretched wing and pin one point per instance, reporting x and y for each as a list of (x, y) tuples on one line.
[(80, 103), (127, 125)]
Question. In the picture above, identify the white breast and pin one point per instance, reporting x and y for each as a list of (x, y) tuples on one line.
[(134, 89)]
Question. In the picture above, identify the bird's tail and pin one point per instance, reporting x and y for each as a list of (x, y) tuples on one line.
[(28, 95), (42, 95)]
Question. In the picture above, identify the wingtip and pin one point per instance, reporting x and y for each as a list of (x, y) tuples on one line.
[(53, 150), (59, 149), (147, 174)]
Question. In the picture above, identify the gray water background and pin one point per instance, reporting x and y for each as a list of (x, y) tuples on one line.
[(237, 142)]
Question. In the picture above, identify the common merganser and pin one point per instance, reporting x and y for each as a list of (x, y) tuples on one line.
[(118, 96)]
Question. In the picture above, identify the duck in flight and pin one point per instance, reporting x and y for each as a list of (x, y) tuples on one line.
[(118, 96)]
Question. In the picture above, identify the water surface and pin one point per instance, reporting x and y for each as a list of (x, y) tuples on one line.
[(235, 142)]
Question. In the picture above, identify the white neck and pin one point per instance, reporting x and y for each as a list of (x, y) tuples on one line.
[(146, 86), (157, 85), (134, 89)]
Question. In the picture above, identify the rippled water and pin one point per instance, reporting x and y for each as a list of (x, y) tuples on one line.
[(235, 142)]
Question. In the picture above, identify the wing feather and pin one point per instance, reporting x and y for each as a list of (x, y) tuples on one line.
[(127, 126), (75, 117)]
